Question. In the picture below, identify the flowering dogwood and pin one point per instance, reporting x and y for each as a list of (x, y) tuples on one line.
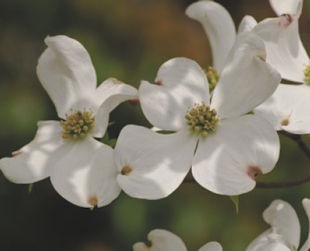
[(287, 109), (163, 240), (225, 146), (284, 233), (81, 168)]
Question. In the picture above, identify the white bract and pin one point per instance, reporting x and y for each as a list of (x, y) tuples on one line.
[(284, 234), (81, 169), (225, 146), (219, 28), (163, 240), (287, 109)]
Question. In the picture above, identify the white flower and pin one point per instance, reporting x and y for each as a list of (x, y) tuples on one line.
[(81, 169), (163, 240), (225, 146), (287, 109), (284, 233)]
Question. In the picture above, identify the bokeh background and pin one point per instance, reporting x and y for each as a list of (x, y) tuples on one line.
[(127, 39)]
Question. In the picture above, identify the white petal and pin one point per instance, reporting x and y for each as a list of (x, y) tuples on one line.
[(284, 221), (285, 50), (285, 228), (67, 74), (162, 240), (267, 241), (34, 161), (218, 26), (113, 92), (292, 7), (158, 163), (109, 95), (287, 109), (86, 175), (211, 246), (101, 121), (246, 80), (226, 161), (306, 204), (247, 24), (181, 83)]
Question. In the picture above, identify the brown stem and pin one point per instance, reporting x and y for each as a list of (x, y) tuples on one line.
[(298, 139), (280, 184)]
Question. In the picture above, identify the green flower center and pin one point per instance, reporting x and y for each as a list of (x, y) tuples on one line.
[(202, 120), (307, 75), (77, 125), (213, 77)]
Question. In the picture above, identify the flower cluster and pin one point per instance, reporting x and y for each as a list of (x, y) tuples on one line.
[(208, 115), (220, 123)]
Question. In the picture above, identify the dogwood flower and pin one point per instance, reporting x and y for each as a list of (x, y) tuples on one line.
[(287, 108), (163, 240), (225, 146), (284, 233), (81, 168)]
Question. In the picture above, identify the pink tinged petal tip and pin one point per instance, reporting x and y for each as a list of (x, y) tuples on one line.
[(134, 101), (285, 20), (254, 171), (158, 82)]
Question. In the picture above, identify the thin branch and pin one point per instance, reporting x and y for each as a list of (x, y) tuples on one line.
[(280, 184), (294, 182), (298, 139)]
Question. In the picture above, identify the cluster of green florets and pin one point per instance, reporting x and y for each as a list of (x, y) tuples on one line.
[(77, 125), (307, 75), (202, 120), (213, 77)]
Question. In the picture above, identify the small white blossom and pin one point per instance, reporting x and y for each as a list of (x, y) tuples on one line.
[(284, 234), (81, 169), (225, 146), (163, 240)]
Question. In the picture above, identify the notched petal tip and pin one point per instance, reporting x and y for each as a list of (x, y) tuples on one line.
[(93, 202), (17, 152), (285, 20), (115, 81), (253, 172), (126, 170), (47, 38), (262, 56), (158, 82), (134, 101), (285, 122)]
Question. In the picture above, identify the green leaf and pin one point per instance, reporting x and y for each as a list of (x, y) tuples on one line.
[(165, 132), (110, 142), (235, 200)]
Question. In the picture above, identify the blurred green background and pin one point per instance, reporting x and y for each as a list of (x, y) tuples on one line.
[(127, 39)]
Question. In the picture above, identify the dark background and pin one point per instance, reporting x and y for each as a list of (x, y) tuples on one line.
[(129, 40)]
